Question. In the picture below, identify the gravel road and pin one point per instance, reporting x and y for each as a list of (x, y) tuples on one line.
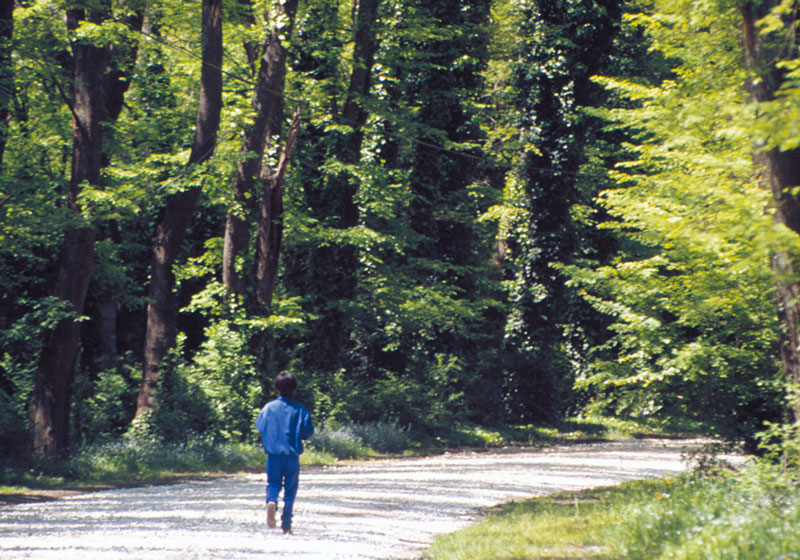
[(388, 509)]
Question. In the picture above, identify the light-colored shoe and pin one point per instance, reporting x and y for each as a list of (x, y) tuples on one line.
[(272, 508)]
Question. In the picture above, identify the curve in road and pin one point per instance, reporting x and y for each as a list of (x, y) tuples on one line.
[(376, 510)]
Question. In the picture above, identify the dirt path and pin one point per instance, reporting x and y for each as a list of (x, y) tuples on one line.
[(378, 510)]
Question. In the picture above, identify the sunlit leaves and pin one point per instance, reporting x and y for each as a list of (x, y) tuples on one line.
[(692, 299)]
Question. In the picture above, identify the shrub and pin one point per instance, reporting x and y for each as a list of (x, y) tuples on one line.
[(342, 443), (223, 373), (140, 455), (108, 400), (384, 437), (182, 407)]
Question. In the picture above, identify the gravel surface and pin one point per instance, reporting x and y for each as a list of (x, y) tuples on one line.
[(386, 509)]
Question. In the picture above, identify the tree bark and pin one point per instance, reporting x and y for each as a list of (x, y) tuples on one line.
[(335, 269), (122, 60), (267, 106), (171, 230), (780, 172), (354, 114), (49, 408), (6, 70), (250, 47), (270, 220)]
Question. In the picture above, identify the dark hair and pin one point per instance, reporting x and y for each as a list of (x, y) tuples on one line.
[(286, 384)]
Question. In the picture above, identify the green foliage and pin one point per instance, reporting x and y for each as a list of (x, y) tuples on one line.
[(140, 458), (182, 406), (225, 373), (480, 260), (426, 398), (691, 296), (752, 514), (342, 443), (780, 444), (107, 401)]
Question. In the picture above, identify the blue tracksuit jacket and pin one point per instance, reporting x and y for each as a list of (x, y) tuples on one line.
[(284, 423)]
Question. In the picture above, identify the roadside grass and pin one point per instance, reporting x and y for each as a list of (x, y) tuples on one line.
[(127, 462), (558, 526), (589, 428), (714, 515), (360, 440), (145, 460), (354, 441)]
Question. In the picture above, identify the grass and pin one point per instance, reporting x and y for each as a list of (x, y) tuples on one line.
[(355, 441), (129, 461), (566, 431), (313, 457), (368, 440), (142, 460), (558, 526), (722, 515)]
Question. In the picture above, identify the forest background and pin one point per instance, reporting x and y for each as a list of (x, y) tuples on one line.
[(432, 212)]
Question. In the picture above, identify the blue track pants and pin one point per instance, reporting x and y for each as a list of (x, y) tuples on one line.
[(283, 471)]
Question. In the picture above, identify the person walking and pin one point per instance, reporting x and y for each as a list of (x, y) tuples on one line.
[(283, 423)]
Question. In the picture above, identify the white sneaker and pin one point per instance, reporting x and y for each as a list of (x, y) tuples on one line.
[(272, 507)]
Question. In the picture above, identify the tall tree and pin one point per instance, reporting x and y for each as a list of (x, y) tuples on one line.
[(433, 287), (448, 76), (50, 398), (269, 233), (780, 170), (335, 265), (6, 69), (690, 293), (180, 206), (565, 44), (332, 152), (354, 112), (267, 106)]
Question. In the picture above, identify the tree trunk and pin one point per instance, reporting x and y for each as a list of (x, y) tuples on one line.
[(122, 59), (267, 105), (6, 70), (270, 220), (171, 230), (354, 114), (335, 269), (780, 173), (50, 396), (250, 47), (107, 313)]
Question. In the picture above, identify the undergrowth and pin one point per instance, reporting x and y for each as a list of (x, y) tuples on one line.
[(713, 514), (142, 456), (751, 514), (361, 440), (131, 460), (588, 428)]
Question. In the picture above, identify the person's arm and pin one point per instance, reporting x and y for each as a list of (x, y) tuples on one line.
[(261, 421), (307, 428)]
